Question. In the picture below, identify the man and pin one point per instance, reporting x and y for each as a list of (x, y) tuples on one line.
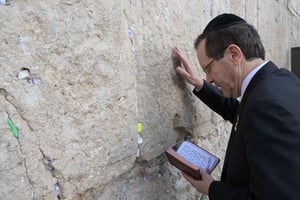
[(262, 160)]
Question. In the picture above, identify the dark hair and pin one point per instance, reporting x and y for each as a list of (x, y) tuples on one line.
[(243, 35)]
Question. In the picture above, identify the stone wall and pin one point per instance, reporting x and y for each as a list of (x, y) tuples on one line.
[(78, 76)]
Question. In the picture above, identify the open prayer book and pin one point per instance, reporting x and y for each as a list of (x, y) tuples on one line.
[(190, 158)]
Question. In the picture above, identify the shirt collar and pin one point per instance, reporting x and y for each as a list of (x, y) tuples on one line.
[(249, 77)]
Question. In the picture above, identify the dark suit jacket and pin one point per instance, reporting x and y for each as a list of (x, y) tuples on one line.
[(262, 160)]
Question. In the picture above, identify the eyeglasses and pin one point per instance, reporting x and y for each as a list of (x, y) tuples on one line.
[(206, 69)]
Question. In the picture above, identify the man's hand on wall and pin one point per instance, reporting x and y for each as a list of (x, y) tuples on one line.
[(187, 71)]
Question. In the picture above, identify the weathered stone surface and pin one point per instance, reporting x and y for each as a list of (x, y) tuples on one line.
[(96, 69), (82, 113)]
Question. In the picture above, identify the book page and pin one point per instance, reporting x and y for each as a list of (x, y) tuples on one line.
[(197, 155)]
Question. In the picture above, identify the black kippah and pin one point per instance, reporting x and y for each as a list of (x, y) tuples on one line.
[(222, 21)]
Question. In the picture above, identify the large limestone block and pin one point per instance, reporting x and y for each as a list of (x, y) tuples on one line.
[(76, 112), (165, 104)]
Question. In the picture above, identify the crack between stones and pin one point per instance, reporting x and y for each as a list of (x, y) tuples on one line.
[(4, 93), (292, 10), (26, 170), (49, 167)]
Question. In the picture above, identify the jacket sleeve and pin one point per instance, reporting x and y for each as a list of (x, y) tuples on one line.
[(214, 99), (225, 191)]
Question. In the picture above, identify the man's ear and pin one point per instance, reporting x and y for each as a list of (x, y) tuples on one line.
[(235, 54)]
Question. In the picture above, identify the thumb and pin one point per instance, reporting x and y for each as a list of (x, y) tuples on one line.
[(207, 170)]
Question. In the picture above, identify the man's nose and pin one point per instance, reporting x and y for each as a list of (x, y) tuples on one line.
[(208, 78)]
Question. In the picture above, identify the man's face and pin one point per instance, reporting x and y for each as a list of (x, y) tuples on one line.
[(222, 73)]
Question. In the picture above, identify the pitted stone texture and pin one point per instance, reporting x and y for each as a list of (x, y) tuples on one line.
[(103, 67), (82, 114)]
